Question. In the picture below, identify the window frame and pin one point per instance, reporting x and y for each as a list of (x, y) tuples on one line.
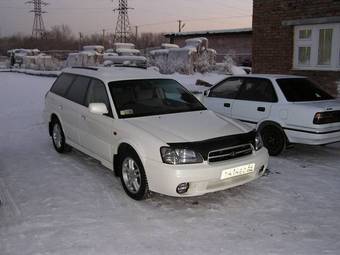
[(314, 44)]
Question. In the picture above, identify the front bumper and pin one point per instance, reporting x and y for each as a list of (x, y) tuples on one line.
[(202, 178)]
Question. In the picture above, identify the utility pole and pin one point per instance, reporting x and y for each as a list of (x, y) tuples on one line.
[(38, 30), (104, 37), (123, 28), (136, 34), (80, 41), (181, 25)]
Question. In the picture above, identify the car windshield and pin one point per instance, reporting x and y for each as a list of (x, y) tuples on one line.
[(137, 98), (301, 90)]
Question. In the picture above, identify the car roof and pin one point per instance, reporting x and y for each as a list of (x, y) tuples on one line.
[(269, 76), (109, 74)]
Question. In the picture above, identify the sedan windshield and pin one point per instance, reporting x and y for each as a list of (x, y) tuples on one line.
[(301, 90), (137, 98)]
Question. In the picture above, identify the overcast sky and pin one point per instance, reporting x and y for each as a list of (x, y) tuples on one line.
[(90, 16)]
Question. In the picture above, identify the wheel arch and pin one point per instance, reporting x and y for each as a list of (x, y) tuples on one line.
[(123, 146)]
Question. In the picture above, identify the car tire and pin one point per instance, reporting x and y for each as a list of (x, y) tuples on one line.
[(132, 175), (58, 137), (273, 139)]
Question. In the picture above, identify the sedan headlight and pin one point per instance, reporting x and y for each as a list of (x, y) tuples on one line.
[(258, 142), (174, 156)]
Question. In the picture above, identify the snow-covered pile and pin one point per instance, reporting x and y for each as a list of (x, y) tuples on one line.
[(169, 46), (91, 55), (193, 57), (41, 62)]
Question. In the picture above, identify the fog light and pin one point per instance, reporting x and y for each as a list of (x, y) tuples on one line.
[(182, 188), (261, 171)]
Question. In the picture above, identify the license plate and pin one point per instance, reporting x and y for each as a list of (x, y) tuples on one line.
[(236, 171)]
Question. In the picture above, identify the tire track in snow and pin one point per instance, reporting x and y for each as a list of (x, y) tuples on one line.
[(8, 208)]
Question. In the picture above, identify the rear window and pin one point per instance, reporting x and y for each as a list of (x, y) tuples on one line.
[(302, 90), (62, 84)]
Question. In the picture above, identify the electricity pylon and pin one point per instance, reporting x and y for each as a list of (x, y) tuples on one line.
[(38, 30), (123, 29)]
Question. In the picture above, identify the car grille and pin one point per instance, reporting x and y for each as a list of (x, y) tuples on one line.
[(230, 153)]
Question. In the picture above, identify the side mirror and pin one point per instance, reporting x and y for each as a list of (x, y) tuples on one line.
[(206, 92), (98, 108)]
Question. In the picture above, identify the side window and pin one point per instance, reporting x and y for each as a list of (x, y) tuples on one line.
[(62, 84), (227, 89), (257, 89), (78, 89), (97, 94)]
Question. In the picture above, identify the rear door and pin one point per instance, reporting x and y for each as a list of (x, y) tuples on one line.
[(254, 100), (221, 97)]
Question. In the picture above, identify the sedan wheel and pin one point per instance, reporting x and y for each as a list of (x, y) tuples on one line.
[(131, 175)]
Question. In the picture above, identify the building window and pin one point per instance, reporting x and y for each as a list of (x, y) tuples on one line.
[(317, 47)]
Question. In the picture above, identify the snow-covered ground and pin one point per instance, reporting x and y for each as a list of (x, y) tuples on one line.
[(70, 204)]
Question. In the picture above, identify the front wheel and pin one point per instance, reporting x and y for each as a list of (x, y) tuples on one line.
[(274, 139), (133, 176), (58, 137)]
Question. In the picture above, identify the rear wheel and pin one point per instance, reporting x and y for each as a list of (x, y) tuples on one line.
[(133, 176), (58, 137), (274, 139)]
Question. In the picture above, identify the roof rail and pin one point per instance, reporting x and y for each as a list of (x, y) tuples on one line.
[(85, 67)]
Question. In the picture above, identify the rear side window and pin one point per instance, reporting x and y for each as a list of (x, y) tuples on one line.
[(257, 89), (78, 90), (227, 89), (301, 89), (62, 84)]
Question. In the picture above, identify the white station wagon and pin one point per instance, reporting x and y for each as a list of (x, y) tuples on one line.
[(284, 109), (151, 131)]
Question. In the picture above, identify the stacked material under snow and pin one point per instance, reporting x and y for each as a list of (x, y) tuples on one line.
[(90, 56), (97, 48), (124, 46), (193, 57), (124, 54), (84, 58), (40, 62), (169, 46)]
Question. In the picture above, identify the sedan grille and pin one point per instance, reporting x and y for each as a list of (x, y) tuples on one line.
[(230, 153)]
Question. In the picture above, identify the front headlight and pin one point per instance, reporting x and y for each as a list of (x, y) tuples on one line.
[(180, 156), (258, 142)]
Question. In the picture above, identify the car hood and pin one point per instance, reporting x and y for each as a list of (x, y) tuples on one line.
[(188, 126)]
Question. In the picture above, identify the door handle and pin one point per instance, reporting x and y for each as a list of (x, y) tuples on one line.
[(227, 105), (60, 107), (83, 117), (261, 109)]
